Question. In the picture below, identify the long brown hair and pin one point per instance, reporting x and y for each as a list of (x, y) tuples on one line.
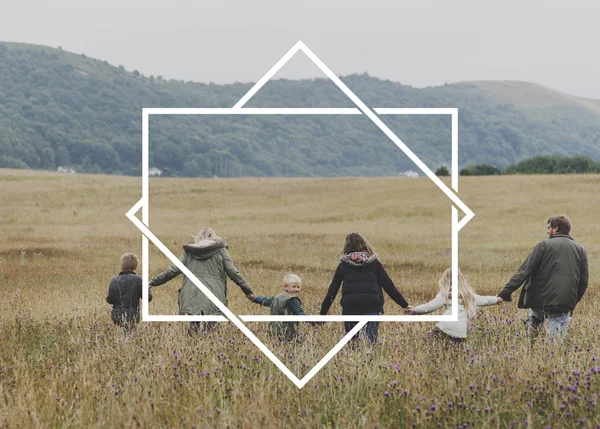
[(357, 243)]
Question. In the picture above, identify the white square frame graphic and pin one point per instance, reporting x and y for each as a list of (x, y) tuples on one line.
[(456, 226)]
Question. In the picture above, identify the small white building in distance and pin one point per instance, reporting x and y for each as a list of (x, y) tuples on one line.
[(154, 172), (68, 170), (409, 173)]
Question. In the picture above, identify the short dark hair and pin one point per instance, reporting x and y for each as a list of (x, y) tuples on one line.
[(129, 261), (562, 222), (357, 243)]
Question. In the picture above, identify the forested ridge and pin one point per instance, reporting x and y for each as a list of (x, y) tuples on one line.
[(62, 109)]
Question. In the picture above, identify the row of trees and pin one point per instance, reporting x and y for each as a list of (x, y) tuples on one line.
[(541, 164), (59, 108)]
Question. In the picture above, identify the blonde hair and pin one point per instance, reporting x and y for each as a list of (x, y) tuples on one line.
[(206, 233), (292, 279), (129, 261), (465, 292)]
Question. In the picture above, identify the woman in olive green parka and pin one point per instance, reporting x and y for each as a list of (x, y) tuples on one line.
[(209, 260)]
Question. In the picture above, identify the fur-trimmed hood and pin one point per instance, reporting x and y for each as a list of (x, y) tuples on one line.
[(205, 248), (359, 258)]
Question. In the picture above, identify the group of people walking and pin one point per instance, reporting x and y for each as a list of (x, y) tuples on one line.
[(555, 275)]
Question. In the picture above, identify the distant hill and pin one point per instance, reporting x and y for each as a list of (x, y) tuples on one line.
[(529, 95), (59, 108)]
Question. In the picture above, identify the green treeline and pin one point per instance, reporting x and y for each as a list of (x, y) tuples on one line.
[(555, 165), (63, 109), (541, 164)]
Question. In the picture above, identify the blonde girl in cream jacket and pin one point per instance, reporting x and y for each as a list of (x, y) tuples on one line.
[(468, 304)]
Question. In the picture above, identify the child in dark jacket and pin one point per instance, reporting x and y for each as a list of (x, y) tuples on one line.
[(362, 279), (286, 303), (125, 292)]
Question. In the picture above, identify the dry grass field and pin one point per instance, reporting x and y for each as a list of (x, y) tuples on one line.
[(64, 364)]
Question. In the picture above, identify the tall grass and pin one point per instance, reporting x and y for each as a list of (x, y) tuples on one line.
[(63, 364)]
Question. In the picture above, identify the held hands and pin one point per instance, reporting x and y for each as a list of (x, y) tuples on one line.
[(410, 310), (251, 297), (318, 322), (500, 300)]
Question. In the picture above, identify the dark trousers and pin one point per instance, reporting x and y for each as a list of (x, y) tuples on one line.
[(196, 327), (371, 329), (125, 318)]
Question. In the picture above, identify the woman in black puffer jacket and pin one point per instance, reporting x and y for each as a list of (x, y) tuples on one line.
[(363, 279)]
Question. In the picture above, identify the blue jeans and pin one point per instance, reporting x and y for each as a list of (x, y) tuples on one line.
[(371, 329), (557, 325)]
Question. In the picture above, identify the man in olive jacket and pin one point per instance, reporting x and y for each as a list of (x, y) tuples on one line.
[(556, 276)]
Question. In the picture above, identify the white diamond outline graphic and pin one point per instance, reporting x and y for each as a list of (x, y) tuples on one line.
[(238, 109)]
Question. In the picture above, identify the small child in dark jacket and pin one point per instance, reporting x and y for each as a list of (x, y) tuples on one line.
[(286, 303), (125, 292)]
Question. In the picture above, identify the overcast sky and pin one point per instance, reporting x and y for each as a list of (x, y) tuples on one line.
[(418, 43)]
